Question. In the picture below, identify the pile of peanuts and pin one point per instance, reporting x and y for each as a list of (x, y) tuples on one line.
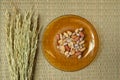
[(71, 43)]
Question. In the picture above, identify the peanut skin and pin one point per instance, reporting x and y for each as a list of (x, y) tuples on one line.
[(67, 48)]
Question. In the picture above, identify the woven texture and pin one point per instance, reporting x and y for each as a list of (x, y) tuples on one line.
[(103, 14)]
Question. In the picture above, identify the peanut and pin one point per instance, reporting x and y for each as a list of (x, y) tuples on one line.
[(62, 48), (81, 29), (81, 38), (79, 56), (77, 30), (82, 49), (72, 52), (58, 37), (81, 34), (67, 48), (60, 42), (61, 36), (82, 42), (66, 53), (65, 34), (76, 38), (78, 53), (65, 44), (69, 33), (70, 44)]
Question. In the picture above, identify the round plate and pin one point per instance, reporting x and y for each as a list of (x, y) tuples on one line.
[(64, 23)]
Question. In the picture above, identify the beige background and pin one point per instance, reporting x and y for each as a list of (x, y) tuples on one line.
[(103, 14)]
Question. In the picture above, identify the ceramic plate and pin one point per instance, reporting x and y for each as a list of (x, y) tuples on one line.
[(64, 23)]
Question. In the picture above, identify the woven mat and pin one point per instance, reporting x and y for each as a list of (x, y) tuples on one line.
[(103, 14)]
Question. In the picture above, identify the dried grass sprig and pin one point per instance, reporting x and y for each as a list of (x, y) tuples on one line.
[(22, 36)]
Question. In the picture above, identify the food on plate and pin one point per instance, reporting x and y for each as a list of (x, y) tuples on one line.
[(71, 43)]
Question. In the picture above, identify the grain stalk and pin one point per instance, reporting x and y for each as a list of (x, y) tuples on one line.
[(22, 36)]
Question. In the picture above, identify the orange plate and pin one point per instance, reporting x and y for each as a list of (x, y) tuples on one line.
[(64, 23)]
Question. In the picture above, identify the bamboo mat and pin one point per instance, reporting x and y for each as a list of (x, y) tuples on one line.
[(103, 14)]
